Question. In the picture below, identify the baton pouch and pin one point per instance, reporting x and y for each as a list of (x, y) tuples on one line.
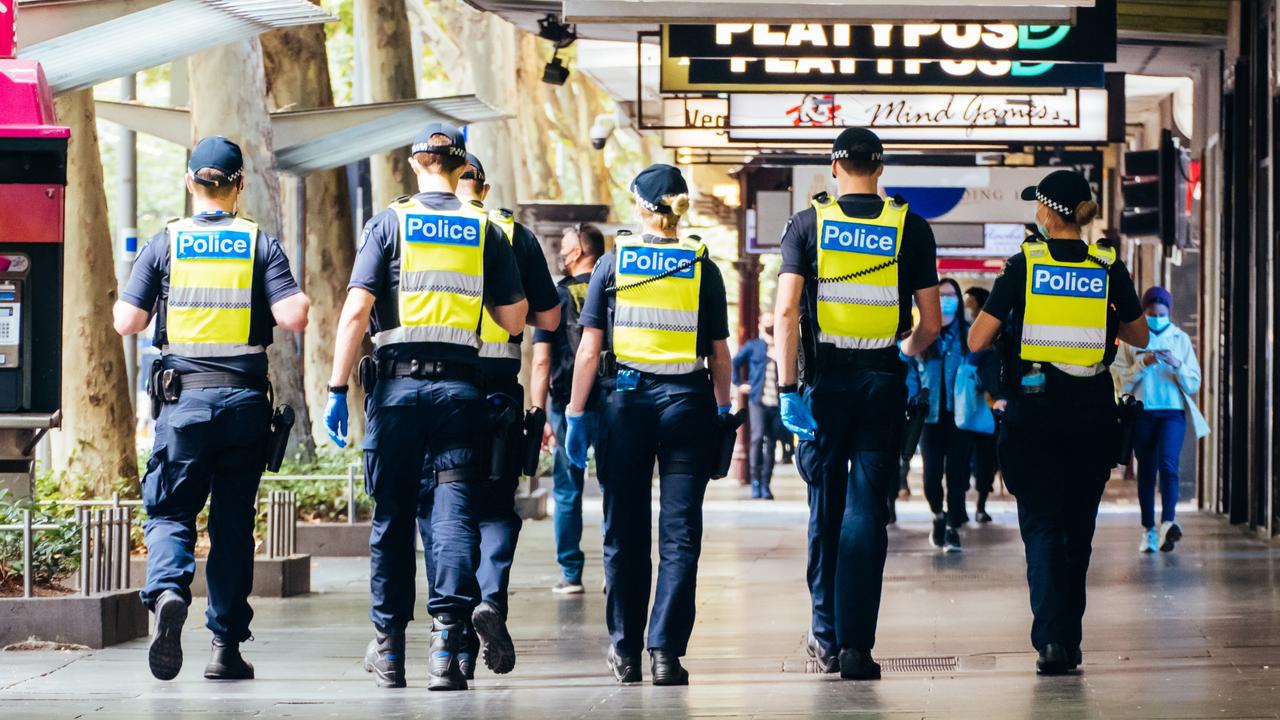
[(1129, 409), (534, 421), (727, 425), (608, 366), (278, 437), (368, 374), (153, 388), (504, 452), (917, 413)]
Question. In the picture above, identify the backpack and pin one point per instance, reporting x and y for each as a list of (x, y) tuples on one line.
[(971, 410)]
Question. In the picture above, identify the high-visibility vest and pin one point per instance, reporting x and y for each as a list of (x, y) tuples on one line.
[(441, 285), (858, 275), (655, 319), (1066, 315), (209, 307), (496, 342)]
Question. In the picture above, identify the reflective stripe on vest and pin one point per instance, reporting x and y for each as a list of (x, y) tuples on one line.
[(209, 306), (1066, 315), (655, 322), (858, 276), (441, 283), (495, 341)]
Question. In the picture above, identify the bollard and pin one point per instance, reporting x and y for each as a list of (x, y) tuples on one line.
[(26, 553)]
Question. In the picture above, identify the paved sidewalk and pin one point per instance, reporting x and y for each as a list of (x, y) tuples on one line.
[(1192, 634)]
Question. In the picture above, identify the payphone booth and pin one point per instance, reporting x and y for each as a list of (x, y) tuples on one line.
[(33, 178)]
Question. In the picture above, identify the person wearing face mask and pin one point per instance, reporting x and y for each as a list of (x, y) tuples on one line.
[(756, 358), (987, 363), (1164, 376), (1065, 301), (553, 356), (944, 448)]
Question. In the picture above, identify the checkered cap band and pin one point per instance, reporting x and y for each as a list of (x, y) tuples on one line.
[(1054, 205), (842, 154), (453, 150)]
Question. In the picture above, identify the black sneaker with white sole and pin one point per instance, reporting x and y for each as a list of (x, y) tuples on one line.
[(568, 587), (951, 541), (496, 646), (938, 535), (165, 654)]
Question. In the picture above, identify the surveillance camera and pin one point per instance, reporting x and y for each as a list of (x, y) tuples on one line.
[(601, 129)]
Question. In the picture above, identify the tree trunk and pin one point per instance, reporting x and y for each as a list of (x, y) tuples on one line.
[(227, 89), (385, 53), (96, 441), (297, 74)]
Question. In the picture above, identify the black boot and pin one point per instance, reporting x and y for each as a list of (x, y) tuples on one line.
[(385, 659), (981, 515), (938, 536), (826, 662), (468, 654), (858, 665), (755, 490), (495, 641), (624, 669), (446, 641), (1054, 660), (226, 663), (165, 655), (666, 668), (765, 492)]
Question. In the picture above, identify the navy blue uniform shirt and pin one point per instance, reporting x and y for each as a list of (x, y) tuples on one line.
[(713, 309), (917, 257), (539, 288), (563, 352), (148, 289), (377, 270)]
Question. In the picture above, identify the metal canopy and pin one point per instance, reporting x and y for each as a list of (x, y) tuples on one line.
[(862, 11), (81, 43), (310, 140)]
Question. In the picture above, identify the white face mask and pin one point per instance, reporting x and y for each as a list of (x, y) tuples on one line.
[(968, 315)]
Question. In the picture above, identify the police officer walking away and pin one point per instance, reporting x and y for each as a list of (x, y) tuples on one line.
[(654, 320), (850, 267), (553, 358), (426, 270), (1063, 301), (496, 507), (217, 285)]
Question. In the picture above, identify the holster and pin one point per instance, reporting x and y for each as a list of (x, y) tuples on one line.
[(608, 366), (917, 413), (367, 374), (506, 452), (278, 437), (727, 425), (1129, 409), (153, 388), (534, 421)]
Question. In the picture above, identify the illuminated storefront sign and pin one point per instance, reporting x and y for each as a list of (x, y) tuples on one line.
[(1091, 39)]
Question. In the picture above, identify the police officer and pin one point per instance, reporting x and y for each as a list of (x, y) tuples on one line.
[(553, 358), (500, 357), (654, 319), (217, 284), (850, 268), (1063, 301), (426, 270)]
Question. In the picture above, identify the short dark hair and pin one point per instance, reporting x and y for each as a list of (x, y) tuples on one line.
[(591, 240), (979, 294), (222, 186), (439, 162), (860, 166)]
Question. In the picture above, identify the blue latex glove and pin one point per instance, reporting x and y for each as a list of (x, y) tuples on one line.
[(797, 417), (724, 409), (335, 418), (575, 441)]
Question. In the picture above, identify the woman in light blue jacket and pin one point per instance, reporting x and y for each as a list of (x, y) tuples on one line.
[(1164, 376), (945, 449)]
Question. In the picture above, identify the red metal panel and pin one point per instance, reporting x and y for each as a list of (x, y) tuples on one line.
[(26, 104), (31, 213), (8, 29)]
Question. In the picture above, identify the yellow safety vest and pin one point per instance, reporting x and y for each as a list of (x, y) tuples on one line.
[(655, 320), (441, 296), (208, 310), (858, 275), (495, 342), (1066, 315)]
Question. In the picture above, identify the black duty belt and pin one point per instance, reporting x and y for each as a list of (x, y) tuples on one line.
[(201, 380), (429, 370), (831, 358)]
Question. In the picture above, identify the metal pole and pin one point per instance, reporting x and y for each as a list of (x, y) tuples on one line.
[(128, 544), (351, 494), (82, 517), (127, 241), (26, 553)]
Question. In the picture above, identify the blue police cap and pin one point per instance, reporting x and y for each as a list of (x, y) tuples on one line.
[(857, 143), (456, 146), (219, 153), (474, 162), (1062, 191), (657, 182)]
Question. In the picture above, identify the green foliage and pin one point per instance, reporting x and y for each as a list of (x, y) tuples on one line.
[(322, 500), (55, 553)]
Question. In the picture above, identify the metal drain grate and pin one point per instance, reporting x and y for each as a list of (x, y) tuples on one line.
[(920, 664)]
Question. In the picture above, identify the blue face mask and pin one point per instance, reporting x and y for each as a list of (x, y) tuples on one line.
[(1044, 232), (1157, 323), (950, 304)]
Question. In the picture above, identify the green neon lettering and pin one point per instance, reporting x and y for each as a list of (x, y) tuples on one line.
[(1021, 69), (1055, 36)]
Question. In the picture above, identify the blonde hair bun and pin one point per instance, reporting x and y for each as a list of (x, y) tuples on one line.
[(679, 204), (1086, 212)]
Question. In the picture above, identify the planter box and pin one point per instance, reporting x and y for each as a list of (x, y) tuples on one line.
[(532, 506), (96, 621), (333, 539), (272, 577)]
